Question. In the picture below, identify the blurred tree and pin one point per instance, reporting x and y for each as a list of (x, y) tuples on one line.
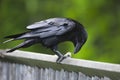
[(101, 19)]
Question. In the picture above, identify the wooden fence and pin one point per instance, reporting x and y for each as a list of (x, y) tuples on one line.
[(21, 65)]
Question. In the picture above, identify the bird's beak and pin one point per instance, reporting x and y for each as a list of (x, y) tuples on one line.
[(77, 47)]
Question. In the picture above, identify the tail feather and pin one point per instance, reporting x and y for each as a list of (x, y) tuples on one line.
[(15, 36), (8, 40)]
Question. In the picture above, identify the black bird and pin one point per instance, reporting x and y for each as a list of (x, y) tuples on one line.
[(50, 33)]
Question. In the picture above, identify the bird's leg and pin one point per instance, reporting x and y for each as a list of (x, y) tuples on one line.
[(61, 57)]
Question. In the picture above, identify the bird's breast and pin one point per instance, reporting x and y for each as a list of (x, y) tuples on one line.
[(50, 41)]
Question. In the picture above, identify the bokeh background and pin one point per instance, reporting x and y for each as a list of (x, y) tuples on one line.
[(101, 18)]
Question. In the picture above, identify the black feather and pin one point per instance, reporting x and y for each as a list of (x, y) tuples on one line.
[(15, 36), (50, 33)]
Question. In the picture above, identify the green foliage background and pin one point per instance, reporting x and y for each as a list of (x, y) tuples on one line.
[(101, 19)]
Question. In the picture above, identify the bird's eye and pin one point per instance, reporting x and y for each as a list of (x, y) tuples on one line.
[(65, 24)]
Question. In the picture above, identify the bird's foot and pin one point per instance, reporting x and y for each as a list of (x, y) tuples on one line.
[(68, 54), (61, 58)]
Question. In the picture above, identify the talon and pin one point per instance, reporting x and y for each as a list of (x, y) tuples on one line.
[(68, 54), (60, 59)]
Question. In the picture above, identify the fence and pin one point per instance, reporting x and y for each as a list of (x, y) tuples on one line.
[(21, 65)]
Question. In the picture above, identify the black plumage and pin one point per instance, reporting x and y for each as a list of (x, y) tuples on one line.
[(50, 33)]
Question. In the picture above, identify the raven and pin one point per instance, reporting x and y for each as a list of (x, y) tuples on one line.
[(50, 33)]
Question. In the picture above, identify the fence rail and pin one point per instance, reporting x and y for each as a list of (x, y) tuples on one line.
[(22, 65)]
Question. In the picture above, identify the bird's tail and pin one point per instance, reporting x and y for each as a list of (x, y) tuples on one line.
[(13, 37), (8, 40)]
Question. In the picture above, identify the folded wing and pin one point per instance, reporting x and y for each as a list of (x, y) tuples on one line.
[(46, 28), (51, 27), (49, 31)]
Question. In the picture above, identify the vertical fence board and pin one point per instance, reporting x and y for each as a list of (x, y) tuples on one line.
[(13, 71), (32, 66)]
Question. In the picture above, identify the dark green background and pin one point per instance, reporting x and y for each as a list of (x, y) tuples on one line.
[(101, 19)]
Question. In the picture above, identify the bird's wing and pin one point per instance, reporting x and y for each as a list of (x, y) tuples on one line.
[(51, 27), (36, 25), (43, 24), (51, 31), (50, 22)]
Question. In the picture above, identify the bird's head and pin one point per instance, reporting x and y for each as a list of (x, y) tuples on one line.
[(80, 39)]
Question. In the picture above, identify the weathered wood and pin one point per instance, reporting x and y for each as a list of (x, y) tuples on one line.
[(13, 71), (21, 65)]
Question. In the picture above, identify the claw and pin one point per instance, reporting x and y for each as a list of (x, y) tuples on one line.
[(60, 59), (68, 54)]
